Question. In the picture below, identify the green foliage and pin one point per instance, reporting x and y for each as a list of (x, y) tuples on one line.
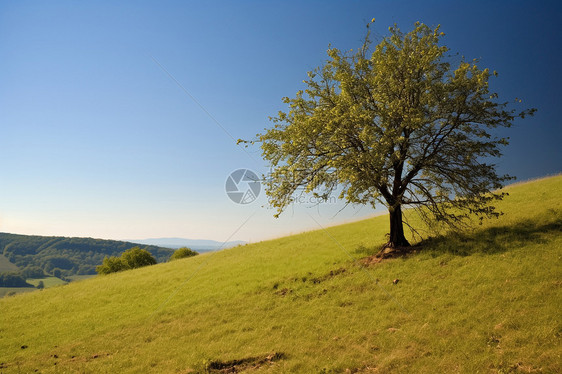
[(130, 259), (32, 272), (446, 315), (111, 265), (398, 125), (59, 263), (136, 258), (183, 253), (57, 273), (13, 280), (71, 255)]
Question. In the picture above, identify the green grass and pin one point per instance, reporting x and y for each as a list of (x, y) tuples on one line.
[(12, 291), (6, 265), (486, 301), (74, 278), (47, 281)]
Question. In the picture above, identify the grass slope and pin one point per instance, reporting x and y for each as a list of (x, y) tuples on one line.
[(11, 291), (6, 266), (487, 301)]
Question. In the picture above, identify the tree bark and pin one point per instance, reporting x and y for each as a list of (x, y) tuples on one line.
[(397, 238)]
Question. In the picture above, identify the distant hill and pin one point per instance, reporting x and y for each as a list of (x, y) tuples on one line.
[(199, 245), (74, 256)]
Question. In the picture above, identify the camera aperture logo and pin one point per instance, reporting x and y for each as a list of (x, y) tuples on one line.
[(243, 186)]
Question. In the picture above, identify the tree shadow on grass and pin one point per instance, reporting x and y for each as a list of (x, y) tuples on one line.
[(490, 240), (493, 240)]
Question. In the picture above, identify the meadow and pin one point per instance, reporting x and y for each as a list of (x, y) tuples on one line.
[(47, 281), (487, 300), (6, 265)]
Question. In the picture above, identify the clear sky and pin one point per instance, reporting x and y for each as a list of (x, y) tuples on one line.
[(97, 140)]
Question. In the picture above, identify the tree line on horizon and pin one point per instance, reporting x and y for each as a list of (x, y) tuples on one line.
[(37, 256)]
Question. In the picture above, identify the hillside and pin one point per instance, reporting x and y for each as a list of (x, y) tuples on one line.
[(487, 301), (74, 256), (6, 266)]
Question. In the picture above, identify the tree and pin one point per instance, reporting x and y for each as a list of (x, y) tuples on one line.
[(136, 258), (111, 265), (130, 259), (183, 253), (396, 125)]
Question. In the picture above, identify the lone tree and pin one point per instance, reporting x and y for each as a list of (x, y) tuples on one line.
[(397, 126), (183, 252)]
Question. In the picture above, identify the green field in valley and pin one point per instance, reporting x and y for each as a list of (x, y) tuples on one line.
[(486, 301), (6, 265), (47, 281)]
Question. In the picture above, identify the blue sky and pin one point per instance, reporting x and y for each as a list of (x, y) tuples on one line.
[(97, 140)]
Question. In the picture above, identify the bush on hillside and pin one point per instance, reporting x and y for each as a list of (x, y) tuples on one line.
[(111, 265), (137, 258), (183, 253), (130, 259)]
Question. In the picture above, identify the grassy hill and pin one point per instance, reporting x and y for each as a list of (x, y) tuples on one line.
[(6, 266), (488, 301)]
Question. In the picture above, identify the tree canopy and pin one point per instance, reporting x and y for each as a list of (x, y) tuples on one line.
[(183, 252), (13, 280), (396, 125), (130, 259)]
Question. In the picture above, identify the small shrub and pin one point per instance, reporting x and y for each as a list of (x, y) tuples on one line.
[(183, 253), (111, 265), (130, 259), (137, 258)]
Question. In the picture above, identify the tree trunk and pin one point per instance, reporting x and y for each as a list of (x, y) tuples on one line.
[(397, 238)]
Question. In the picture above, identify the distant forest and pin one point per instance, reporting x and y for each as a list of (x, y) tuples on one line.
[(66, 256)]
